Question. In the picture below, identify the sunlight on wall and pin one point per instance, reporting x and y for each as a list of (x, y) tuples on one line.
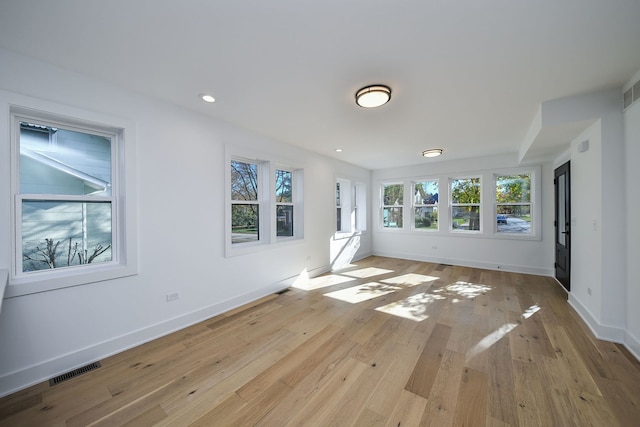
[(498, 334), (362, 293), (342, 250)]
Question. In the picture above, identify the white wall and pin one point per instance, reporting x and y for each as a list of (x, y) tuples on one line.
[(632, 198), (533, 256), (180, 175)]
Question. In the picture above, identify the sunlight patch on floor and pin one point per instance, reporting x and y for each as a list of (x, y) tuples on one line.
[(362, 293), (364, 273), (465, 289), (499, 333), (306, 284), (409, 280), (414, 307)]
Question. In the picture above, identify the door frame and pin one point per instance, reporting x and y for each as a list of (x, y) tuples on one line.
[(562, 275)]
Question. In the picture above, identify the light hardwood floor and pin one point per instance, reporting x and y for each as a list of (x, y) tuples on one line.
[(386, 342)]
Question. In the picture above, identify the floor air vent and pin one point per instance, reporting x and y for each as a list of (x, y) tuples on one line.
[(74, 373)]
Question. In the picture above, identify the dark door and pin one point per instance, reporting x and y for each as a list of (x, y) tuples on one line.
[(562, 225)]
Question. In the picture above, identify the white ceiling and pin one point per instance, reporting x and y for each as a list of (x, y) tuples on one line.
[(467, 75)]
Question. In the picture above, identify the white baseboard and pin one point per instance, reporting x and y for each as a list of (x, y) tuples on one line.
[(601, 331), (469, 263), (31, 375)]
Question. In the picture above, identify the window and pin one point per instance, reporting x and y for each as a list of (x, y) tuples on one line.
[(338, 208), (465, 204), (392, 204), (284, 203), (425, 205), (513, 203), (65, 198), (351, 202), (73, 205), (245, 203), (264, 204)]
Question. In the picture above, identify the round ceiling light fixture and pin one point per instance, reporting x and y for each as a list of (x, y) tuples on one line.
[(373, 96), (434, 152), (207, 98)]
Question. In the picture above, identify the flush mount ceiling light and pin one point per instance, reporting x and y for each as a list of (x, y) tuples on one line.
[(373, 96), (434, 152), (207, 98)]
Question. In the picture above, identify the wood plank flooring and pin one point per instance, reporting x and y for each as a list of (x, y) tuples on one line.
[(385, 342)]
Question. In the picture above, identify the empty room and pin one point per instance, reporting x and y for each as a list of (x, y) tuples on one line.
[(356, 213)]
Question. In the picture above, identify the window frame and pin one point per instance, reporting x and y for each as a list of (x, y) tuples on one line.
[(267, 167), (415, 205), (535, 172), (259, 202), (123, 195), (453, 205), (384, 206)]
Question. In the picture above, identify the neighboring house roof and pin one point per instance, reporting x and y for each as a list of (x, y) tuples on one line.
[(98, 184)]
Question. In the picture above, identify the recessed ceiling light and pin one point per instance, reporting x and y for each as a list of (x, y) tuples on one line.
[(373, 96), (338, 150), (434, 152), (207, 98)]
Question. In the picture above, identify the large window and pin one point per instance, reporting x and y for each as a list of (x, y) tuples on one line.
[(392, 205), (465, 204), (425, 205), (73, 199), (264, 204), (65, 198), (513, 203), (245, 203)]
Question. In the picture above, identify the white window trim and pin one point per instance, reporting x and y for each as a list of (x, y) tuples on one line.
[(415, 205), (405, 191), (480, 206), (297, 183), (536, 203), (125, 259), (266, 189)]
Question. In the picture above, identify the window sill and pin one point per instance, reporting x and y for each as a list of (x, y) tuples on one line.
[(51, 280)]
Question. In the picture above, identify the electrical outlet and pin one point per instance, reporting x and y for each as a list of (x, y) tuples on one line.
[(173, 296), (589, 291)]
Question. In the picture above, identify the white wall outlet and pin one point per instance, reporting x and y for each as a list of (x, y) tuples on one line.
[(589, 291), (173, 296)]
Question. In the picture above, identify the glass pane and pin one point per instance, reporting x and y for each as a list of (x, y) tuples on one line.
[(514, 218), (425, 193), (284, 221), (244, 181), (426, 218), (338, 194), (465, 217), (393, 194), (60, 161), (513, 188), (392, 217), (339, 219), (244, 223), (465, 190), (62, 234), (562, 217), (283, 186)]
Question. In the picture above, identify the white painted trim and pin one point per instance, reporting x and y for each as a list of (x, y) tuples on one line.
[(632, 343), (469, 263), (602, 332), (4, 280)]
